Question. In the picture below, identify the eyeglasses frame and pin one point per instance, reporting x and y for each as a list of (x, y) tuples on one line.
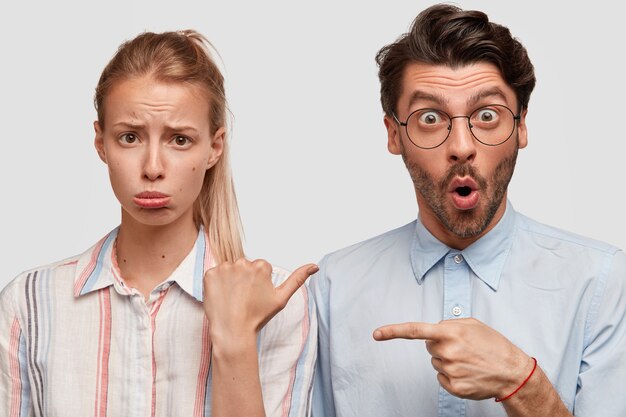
[(516, 119)]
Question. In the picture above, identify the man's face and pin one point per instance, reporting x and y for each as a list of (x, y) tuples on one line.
[(461, 184)]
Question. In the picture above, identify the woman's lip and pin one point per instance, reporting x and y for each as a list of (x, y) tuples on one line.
[(151, 199), (150, 194), (151, 202)]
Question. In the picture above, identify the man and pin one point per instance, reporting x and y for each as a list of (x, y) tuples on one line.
[(501, 307)]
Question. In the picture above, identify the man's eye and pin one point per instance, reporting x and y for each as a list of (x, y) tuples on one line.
[(181, 140), (429, 117), (128, 138), (487, 115)]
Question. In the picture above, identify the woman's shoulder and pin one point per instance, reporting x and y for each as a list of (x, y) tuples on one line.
[(62, 266), (39, 281), (69, 271)]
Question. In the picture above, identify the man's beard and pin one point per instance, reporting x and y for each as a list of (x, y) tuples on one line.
[(463, 223)]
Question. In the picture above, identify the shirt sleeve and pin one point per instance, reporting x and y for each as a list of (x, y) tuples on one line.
[(14, 384), (287, 354), (603, 366), (323, 401)]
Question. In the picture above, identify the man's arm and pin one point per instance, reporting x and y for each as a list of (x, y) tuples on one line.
[(603, 365), (476, 362)]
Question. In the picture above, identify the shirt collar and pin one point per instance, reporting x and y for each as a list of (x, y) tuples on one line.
[(97, 267), (486, 256)]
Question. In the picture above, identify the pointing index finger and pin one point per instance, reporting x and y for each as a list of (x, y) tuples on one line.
[(410, 330)]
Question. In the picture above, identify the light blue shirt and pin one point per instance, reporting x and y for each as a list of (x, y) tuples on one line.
[(559, 297)]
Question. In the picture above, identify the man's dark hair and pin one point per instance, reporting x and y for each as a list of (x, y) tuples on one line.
[(447, 35)]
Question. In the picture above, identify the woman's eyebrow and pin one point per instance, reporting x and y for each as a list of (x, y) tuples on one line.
[(182, 128), (129, 125)]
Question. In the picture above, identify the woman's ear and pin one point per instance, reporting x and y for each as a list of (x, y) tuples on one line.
[(217, 147), (99, 141)]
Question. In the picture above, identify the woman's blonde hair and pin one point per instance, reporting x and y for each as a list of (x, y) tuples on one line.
[(185, 57)]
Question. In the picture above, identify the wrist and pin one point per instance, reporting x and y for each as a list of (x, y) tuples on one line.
[(519, 385), (227, 346), (536, 398), (514, 370)]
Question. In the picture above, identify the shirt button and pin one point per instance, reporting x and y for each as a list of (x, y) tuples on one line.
[(458, 259), (456, 311)]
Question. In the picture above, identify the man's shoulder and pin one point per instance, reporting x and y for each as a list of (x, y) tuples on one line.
[(374, 247), (544, 234)]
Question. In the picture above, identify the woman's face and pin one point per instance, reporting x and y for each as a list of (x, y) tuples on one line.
[(157, 144)]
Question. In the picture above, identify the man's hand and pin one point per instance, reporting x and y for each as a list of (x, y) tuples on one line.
[(472, 360), (239, 298)]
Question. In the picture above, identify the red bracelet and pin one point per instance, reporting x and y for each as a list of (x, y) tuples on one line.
[(522, 384)]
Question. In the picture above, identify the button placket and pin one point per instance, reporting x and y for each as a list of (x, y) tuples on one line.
[(456, 304), (457, 289)]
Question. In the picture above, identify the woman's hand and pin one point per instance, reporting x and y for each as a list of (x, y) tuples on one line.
[(239, 299)]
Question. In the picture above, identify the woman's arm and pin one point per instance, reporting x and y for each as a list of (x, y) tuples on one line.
[(14, 384), (239, 299)]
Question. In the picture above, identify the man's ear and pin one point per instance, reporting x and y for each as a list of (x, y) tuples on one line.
[(393, 135), (99, 141), (217, 147), (522, 131)]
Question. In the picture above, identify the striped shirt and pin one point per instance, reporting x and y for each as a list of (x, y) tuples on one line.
[(76, 341)]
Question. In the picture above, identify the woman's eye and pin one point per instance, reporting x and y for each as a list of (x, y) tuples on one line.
[(181, 140), (128, 138)]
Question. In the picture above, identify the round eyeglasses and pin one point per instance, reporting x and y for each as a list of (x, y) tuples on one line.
[(491, 125)]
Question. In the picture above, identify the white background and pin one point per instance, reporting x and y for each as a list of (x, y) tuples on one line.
[(310, 162)]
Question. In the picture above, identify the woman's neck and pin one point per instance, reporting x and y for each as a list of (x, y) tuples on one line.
[(147, 255)]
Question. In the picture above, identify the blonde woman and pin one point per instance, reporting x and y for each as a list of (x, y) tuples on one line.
[(163, 316)]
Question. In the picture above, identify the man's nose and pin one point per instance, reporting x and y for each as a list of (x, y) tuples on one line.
[(461, 144)]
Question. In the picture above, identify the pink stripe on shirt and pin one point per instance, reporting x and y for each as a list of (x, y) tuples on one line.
[(203, 374), (104, 347), (155, 310), (16, 392), (84, 276)]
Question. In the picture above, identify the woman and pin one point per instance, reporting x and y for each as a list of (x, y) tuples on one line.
[(143, 323)]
